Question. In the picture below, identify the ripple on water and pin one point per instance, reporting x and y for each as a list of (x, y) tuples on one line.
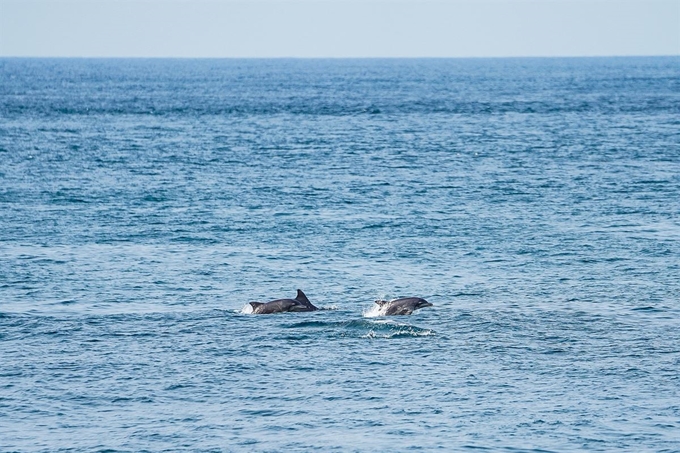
[(534, 201)]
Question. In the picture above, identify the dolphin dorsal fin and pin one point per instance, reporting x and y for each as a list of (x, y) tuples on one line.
[(301, 297), (381, 302)]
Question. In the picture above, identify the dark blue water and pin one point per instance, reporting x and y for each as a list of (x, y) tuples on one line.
[(534, 202)]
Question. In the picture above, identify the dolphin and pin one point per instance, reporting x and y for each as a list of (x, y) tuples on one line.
[(403, 306), (300, 303)]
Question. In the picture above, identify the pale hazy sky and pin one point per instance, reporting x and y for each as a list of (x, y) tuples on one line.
[(338, 28)]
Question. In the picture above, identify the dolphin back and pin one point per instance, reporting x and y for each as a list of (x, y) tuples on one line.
[(404, 306), (275, 306), (300, 303)]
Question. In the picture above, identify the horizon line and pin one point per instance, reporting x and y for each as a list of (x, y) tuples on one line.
[(159, 57)]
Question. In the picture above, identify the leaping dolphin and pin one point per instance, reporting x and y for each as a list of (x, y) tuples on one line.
[(300, 303), (403, 306)]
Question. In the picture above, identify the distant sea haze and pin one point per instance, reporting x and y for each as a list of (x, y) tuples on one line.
[(534, 202)]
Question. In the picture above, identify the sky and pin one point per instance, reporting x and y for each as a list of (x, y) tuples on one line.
[(338, 28)]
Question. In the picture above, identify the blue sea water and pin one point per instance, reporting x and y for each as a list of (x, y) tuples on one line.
[(534, 202)]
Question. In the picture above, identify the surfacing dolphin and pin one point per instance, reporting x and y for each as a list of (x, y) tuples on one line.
[(300, 303), (403, 306)]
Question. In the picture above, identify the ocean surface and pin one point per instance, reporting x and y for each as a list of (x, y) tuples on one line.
[(534, 202)]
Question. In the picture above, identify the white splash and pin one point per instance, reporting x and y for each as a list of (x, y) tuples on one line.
[(374, 311), (247, 309)]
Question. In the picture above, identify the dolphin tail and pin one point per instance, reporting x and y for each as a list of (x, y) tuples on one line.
[(255, 304), (301, 297)]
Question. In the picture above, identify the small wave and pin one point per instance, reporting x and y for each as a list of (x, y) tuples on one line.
[(66, 302), (390, 329), (648, 309), (295, 337), (178, 386), (304, 324), (364, 328), (401, 332)]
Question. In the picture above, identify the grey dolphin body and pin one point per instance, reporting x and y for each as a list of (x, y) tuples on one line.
[(300, 303), (404, 306)]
